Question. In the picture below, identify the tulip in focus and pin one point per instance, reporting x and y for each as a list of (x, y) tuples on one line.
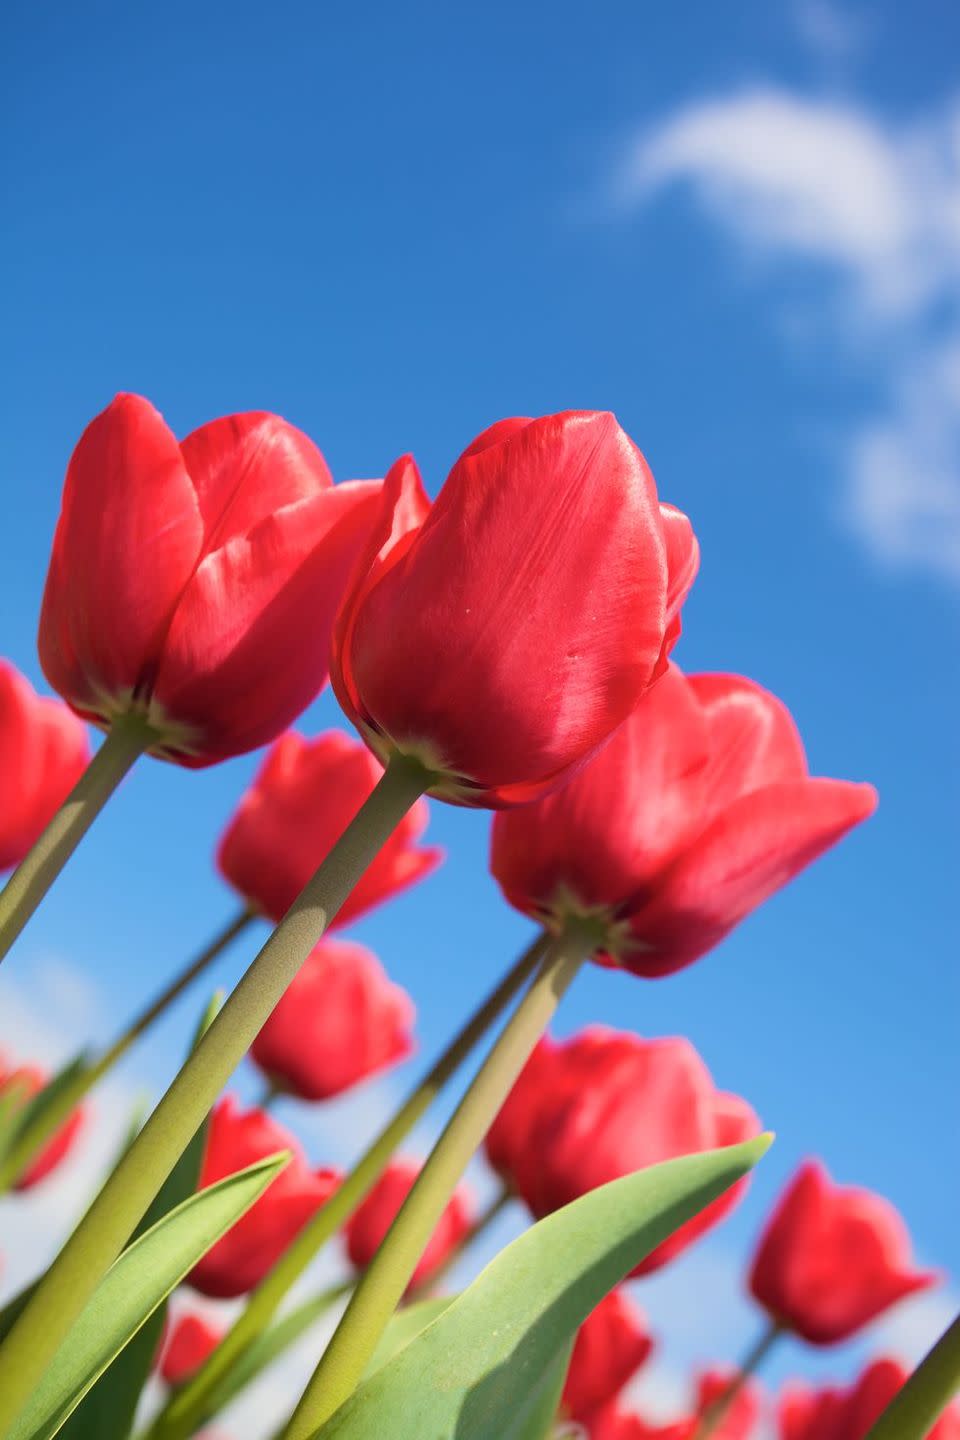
[(832, 1258), (191, 1341), (339, 1021), (30, 1080), (611, 1345), (604, 1104), (44, 749), (835, 1414), (502, 635), (303, 798), (195, 584), (241, 1258), (372, 1219), (697, 811)]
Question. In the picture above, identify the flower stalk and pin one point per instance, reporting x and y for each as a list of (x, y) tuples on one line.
[(715, 1413), (926, 1394)]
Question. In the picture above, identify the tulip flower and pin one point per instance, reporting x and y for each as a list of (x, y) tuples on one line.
[(241, 1258), (832, 1258), (195, 584), (611, 1345), (30, 1080), (739, 1423), (604, 1104), (304, 796), (339, 1022), (44, 750), (502, 635), (192, 1339), (372, 1219), (837, 1414), (697, 811)]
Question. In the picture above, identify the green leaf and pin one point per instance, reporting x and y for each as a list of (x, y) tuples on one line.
[(14, 1095), (480, 1369), (132, 1289)]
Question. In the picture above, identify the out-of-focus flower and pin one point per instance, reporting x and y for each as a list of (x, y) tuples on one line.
[(698, 809), (29, 1081), (604, 1104), (191, 1340), (242, 1257), (44, 749), (196, 584), (611, 1345), (806, 1413), (503, 635), (339, 1021), (739, 1422), (302, 800), (372, 1219), (832, 1258)]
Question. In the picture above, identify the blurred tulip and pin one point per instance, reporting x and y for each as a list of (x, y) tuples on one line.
[(739, 1423), (604, 1104), (372, 1219), (504, 634), (195, 584), (30, 1080), (806, 1413), (339, 1022), (191, 1340), (832, 1258), (44, 749), (303, 798), (698, 809), (611, 1345), (242, 1257)]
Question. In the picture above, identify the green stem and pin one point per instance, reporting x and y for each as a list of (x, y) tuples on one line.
[(913, 1412), (479, 1228), (126, 741), (384, 1282), (53, 1116), (751, 1363), (270, 1094), (105, 1228), (185, 1409)]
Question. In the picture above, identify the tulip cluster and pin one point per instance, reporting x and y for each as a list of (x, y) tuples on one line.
[(506, 646)]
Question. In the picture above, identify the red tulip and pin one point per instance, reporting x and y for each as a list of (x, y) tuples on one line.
[(612, 1343), (698, 809), (44, 750), (30, 1080), (836, 1414), (196, 583), (739, 1422), (192, 1339), (832, 1258), (504, 634), (303, 798), (242, 1257), (604, 1104), (372, 1219), (339, 1022)]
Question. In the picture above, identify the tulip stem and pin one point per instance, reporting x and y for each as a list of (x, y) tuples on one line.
[(185, 1409), (480, 1226), (383, 1284), (52, 1116), (126, 740), (914, 1410), (715, 1413), (106, 1227)]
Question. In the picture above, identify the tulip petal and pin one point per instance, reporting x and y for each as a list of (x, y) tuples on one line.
[(754, 740)]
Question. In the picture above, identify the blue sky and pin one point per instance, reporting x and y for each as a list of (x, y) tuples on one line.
[(738, 227)]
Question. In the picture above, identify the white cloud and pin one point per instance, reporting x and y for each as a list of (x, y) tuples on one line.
[(874, 207)]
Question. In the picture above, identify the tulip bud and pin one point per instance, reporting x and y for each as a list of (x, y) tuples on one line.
[(366, 1228), (44, 750)]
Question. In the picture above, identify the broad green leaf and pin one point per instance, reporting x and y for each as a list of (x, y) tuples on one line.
[(536, 1416), (477, 1370), (404, 1326), (110, 1406)]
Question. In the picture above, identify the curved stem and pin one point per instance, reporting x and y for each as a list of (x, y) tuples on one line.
[(387, 1277), (716, 1412), (928, 1392), (185, 1408), (126, 741), (479, 1228), (53, 1116), (107, 1225)]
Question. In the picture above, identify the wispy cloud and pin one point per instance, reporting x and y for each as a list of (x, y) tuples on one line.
[(799, 180), (836, 36)]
